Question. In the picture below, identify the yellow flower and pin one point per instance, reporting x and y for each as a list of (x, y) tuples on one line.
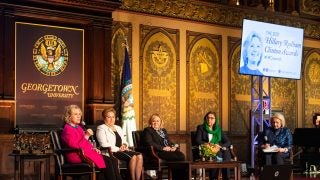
[(209, 149)]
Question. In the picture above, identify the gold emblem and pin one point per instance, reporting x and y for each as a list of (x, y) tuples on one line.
[(204, 61), (160, 58), (314, 72), (50, 55)]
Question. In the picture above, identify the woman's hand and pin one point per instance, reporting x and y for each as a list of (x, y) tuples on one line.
[(124, 147), (166, 148), (284, 150), (88, 133), (265, 146), (98, 150), (173, 148)]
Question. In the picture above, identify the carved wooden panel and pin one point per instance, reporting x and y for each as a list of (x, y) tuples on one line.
[(159, 70), (284, 97), (311, 82), (122, 35), (240, 91), (6, 161), (6, 115), (203, 77), (232, 16), (310, 8)]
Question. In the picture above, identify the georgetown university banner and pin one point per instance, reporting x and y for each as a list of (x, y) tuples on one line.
[(49, 73)]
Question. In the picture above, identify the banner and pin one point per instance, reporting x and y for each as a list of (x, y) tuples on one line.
[(127, 111), (49, 73)]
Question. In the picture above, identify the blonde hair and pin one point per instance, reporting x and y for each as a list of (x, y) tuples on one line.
[(68, 110), (281, 117), (152, 117)]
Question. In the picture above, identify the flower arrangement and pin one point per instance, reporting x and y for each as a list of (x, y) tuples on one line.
[(208, 150)]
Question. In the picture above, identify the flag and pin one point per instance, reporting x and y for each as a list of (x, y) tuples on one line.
[(127, 111)]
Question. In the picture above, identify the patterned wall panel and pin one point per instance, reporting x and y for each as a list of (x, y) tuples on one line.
[(159, 89), (284, 98), (121, 37), (310, 7), (232, 16), (311, 82), (203, 76), (240, 92)]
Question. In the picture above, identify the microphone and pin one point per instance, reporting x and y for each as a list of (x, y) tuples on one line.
[(266, 139), (84, 125), (91, 139)]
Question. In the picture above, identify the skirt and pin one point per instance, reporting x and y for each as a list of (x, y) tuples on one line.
[(125, 155)]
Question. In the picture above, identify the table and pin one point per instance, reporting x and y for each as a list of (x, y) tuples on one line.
[(19, 160), (190, 165)]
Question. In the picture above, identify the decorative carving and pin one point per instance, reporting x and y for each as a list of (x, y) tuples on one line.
[(214, 13), (240, 92), (284, 96), (121, 36), (159, 78), (311, 84), (159, 56), (310, 7), (34, 143), (203, 76)]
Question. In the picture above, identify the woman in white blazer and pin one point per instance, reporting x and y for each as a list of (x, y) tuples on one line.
[(111, 135)]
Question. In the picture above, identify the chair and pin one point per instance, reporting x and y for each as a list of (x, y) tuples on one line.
[(151, 161), (196, 154), (122, 165), (64, 169), (260, 160)]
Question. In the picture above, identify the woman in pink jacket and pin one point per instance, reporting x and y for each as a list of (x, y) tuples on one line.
[(73, 136)]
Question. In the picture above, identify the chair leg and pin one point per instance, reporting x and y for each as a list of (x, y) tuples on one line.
[(159, 174), (219, 173), (93, 176)]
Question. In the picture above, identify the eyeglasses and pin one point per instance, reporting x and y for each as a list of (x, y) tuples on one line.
[(110, 117), (211, 118)]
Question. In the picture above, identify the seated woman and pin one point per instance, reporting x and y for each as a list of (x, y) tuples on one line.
[(156, 136), (279, 138), (316, 120), (73, 136), (111, 135), (210, 132)]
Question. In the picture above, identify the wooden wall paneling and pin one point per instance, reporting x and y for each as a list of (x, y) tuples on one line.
[(94, 113), (93, 16), (2, 50), (6, 161), (7, 55), (6, 115), (99, 64)]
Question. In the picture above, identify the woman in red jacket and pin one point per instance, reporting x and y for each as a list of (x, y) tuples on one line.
[(73, 136)]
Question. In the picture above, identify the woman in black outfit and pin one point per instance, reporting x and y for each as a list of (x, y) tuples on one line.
[(156, 136), (210, 132)]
